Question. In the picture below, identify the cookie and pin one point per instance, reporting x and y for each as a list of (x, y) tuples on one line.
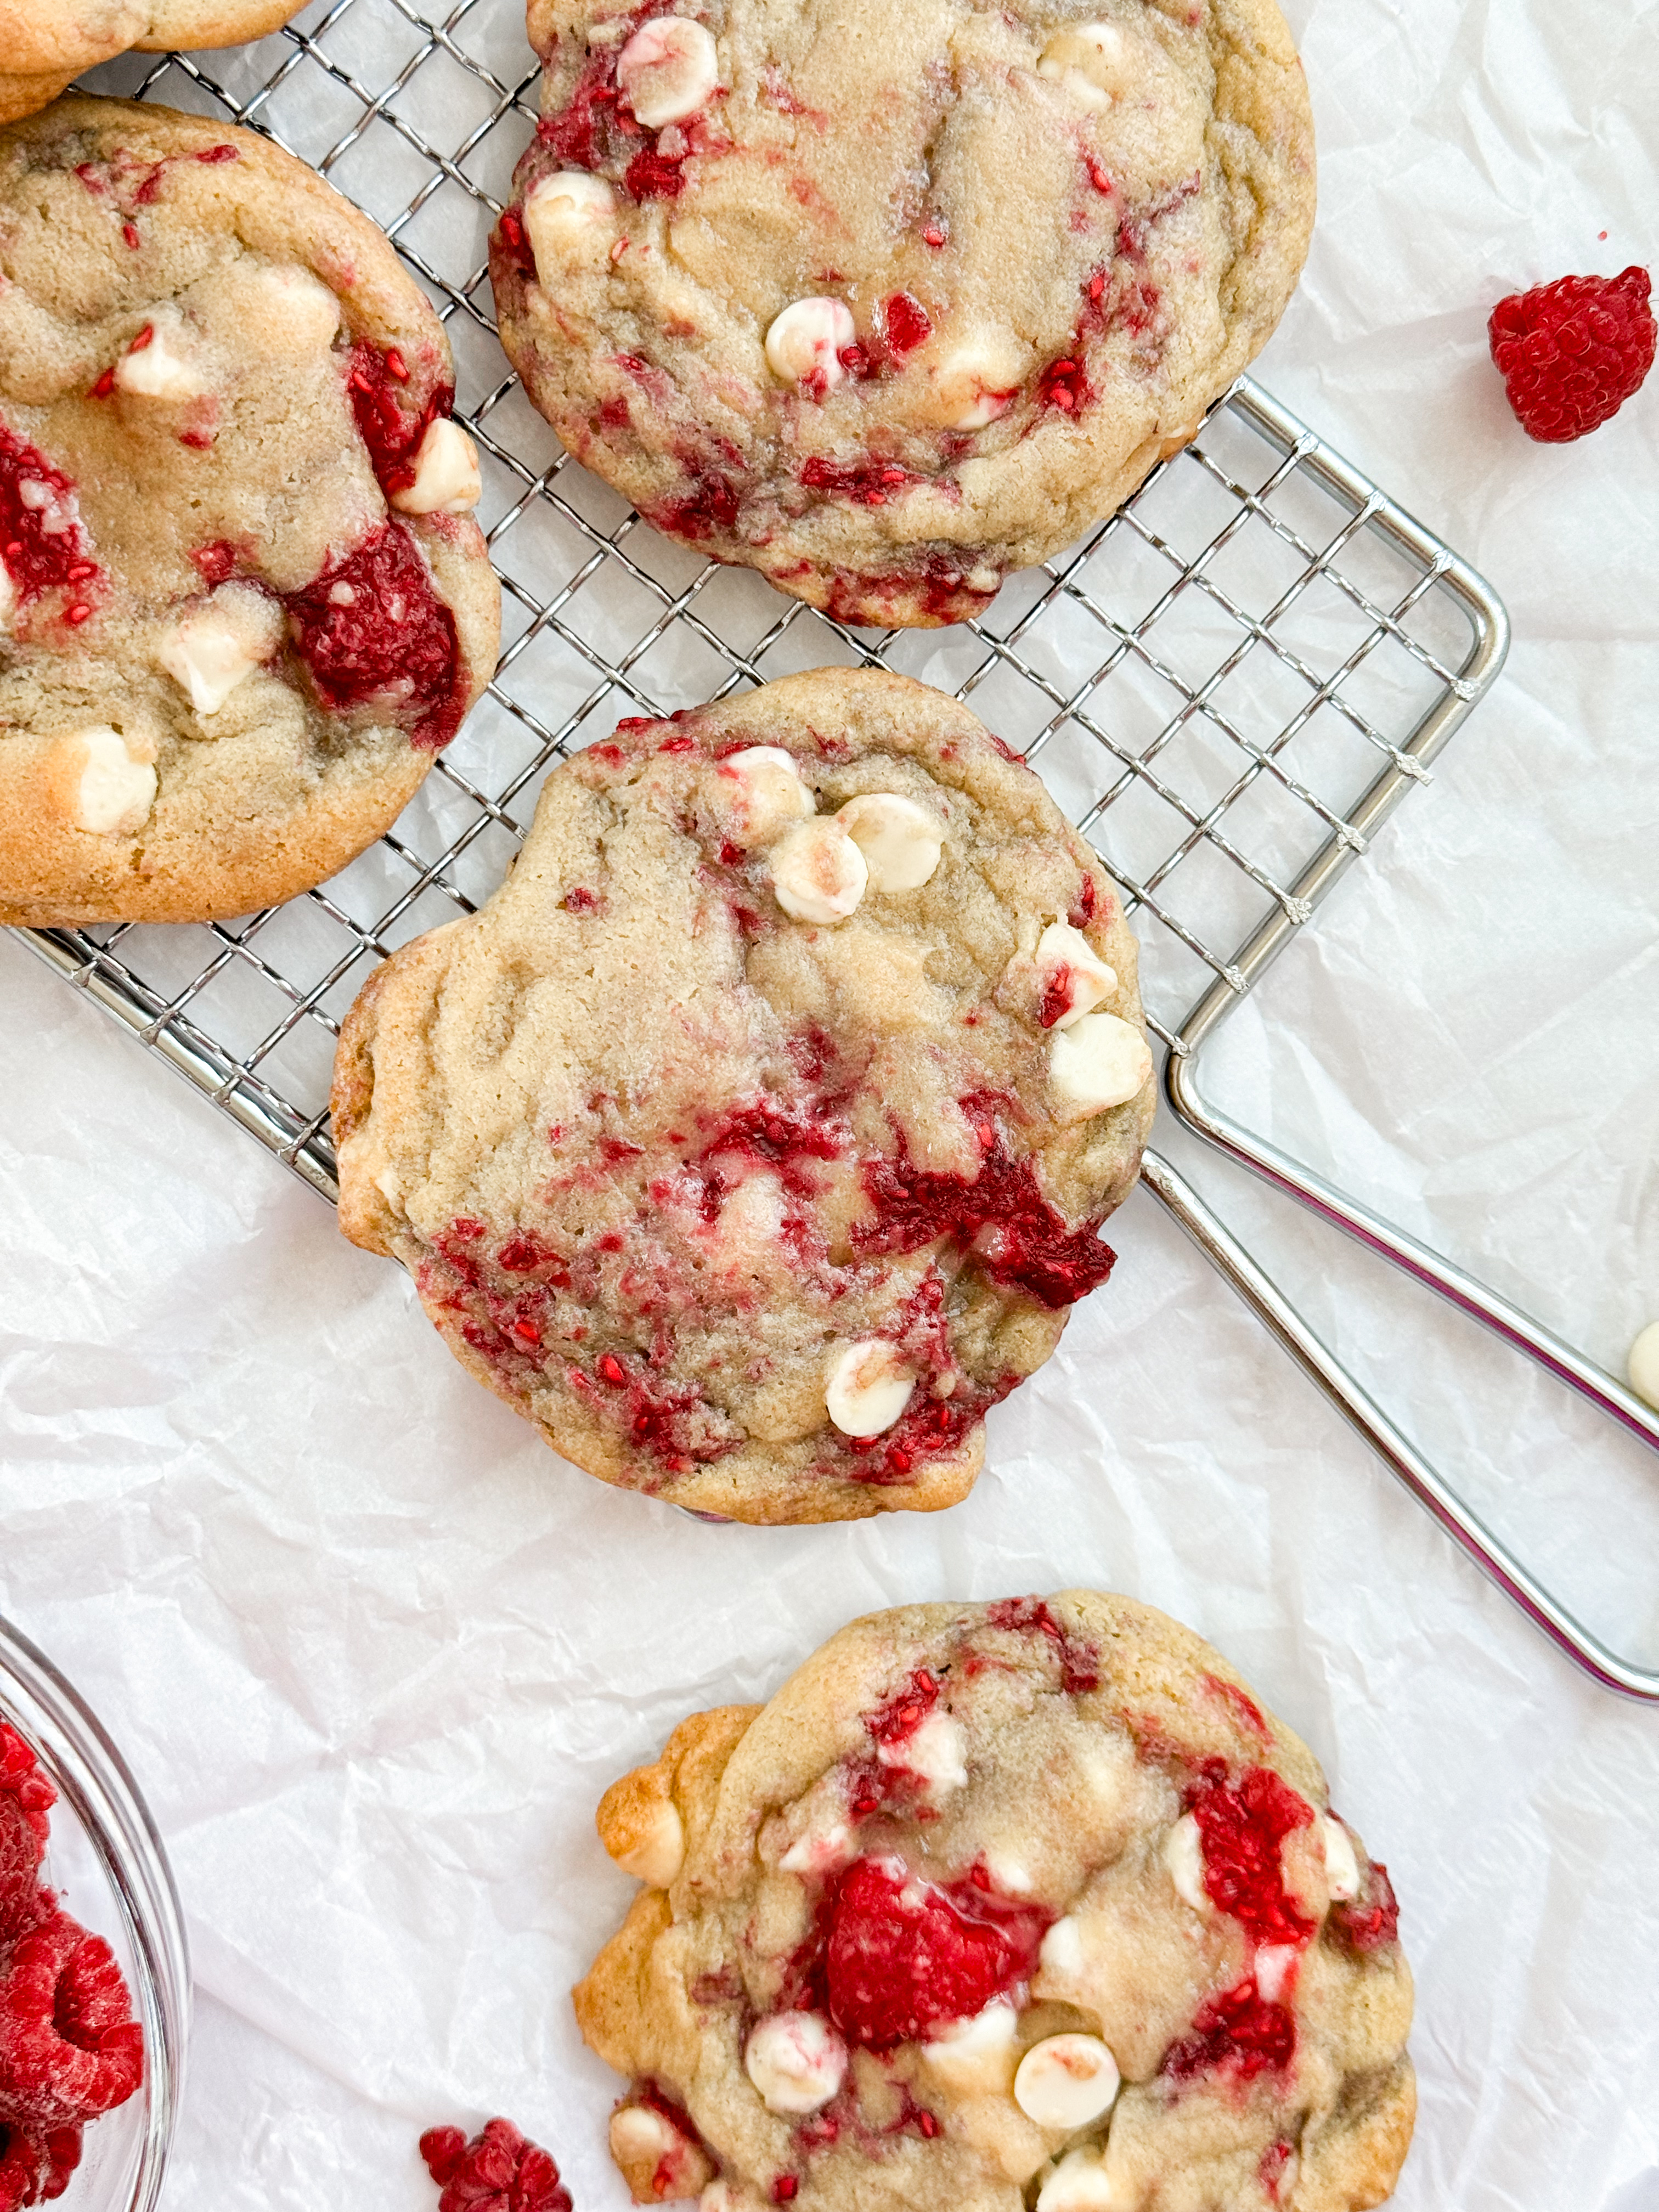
[(45, 43), (754, 1139), (886, 298), (242, 600), (994, 1906)]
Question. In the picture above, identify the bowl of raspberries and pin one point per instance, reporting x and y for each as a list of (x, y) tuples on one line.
[(94, 1971)]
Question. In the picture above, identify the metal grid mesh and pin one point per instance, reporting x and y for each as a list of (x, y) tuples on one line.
[(1211, 683)]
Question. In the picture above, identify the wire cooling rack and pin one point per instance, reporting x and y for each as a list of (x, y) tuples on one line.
[(1227, 687)]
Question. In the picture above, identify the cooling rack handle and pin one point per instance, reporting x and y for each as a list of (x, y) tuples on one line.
[(1363, 1413)]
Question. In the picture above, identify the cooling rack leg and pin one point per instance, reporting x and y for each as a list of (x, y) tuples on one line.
[(1401, 1457)]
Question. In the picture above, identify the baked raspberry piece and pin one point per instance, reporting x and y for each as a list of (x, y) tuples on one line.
[(498, 2170), (1572, 353), (1108, 1949)]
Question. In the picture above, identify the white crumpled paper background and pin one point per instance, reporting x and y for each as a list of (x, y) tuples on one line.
[(374, 1653)]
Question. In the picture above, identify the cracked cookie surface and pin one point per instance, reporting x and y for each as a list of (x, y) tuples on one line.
[(886, 300), (1023, 1904), (754, 1139), (242, 598)]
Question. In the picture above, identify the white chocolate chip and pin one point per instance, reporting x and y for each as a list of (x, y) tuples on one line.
[(796, 2060), (900, 841), (1100, 1061), (668, 70), (659, 1855), (1065, 956), (1078, 2183), (164, 365), (303, 311), (1090, 61), (1066, 2081), (1644, 1364), (771, 795), (975, 379), (1062, 1949), (117, 785), (867, 1387), (638, 2134), (807, 340), (210, 650), (1008, 1875), (974, 2057), (819, 874), (820, 1850), (446, 479), (1341, 1865), (1183, 1855), (936, 1749), (566, 215), (1275, 1964)]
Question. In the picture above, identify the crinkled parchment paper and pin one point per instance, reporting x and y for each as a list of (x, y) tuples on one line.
[(374, 1653)]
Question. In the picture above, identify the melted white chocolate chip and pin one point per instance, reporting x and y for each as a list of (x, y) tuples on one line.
[(210, 650), (771, 796), (936, 1750), (668, 70), (818, 874), (974, 2057), (163, 366), (1099, 1062), (807, 340), (1090, 61), (796, 2061), (1065, 952), (867, 1387), (1066, 2081), (566, 215), (900, 841), (1078, 2183), (1183, 1855), (1342, 1862), (116, 789), (659, 1853), (446, 479)]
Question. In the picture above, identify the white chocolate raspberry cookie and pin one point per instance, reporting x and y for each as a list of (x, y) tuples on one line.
[(885, 298), (45, 43), (242, 599), (1026, 1905), (734, 1141)]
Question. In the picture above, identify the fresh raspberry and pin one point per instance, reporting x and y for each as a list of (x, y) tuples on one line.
[(497, 2172), (70, 2047), (904, 1953), (34, 2168), (1571, 353), (26, 1799)]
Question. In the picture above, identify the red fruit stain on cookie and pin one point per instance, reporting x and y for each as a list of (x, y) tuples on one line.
[(392, 432), (1064, 386), (1270, 2168), (43, 541), (1080, 1667), (1369, 1921), (654, 176), (762, 1137), (217, 562), (1016, 1236), (1243, 1825), (904, 1953), (908, 323), (1239, 1702), (511, 243), (869, 484), (497, 2170), (1572, 353), (710, 503), (1238, 2033), (373, 633)]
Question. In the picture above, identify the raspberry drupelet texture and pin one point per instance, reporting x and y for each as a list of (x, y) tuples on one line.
[(743, 1142), (70, 2048), (497, 2170), (1096, 1942), (1572, 353)]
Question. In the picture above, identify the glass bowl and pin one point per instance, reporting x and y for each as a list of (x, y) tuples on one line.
[(106, 1859)]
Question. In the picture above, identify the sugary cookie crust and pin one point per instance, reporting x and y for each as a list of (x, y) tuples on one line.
[(905, 293), (893, 1916), (45, 43), (238, 612), (757, 1211)]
